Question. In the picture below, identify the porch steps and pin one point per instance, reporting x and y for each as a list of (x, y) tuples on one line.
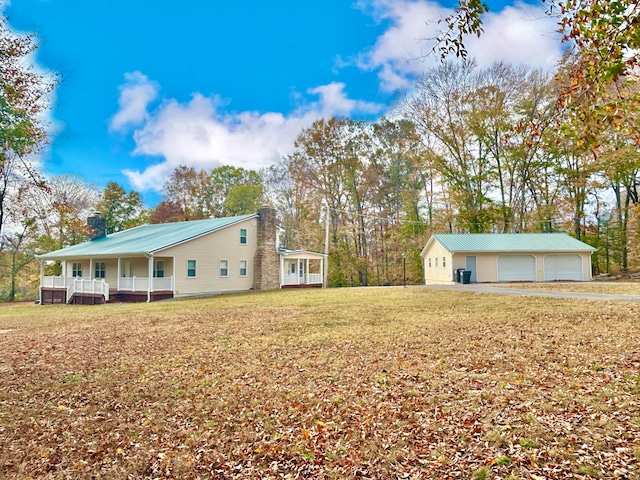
[(86, 299)]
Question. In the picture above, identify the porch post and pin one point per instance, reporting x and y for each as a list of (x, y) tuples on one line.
[(91, 269), (298, 271), (118, 284), (64, 272), (41, 282), (281, 270), (149, 286), (306, 270), (324, 285)]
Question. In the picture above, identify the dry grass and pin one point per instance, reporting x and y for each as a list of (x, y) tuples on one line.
[(353, 383), (616, 288)]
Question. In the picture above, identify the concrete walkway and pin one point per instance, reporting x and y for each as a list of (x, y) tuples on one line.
[(534, 292)]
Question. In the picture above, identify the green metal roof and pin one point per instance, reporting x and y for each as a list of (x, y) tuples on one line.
[(511, 242), (145, 239)]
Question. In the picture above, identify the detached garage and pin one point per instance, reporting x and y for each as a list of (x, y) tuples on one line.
[(506, 257)]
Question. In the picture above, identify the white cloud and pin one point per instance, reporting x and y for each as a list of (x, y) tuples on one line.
[(201, 135), (518, 34), (135, 96)]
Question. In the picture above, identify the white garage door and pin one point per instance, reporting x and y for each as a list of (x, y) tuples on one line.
[(516, 268), (562, 267)]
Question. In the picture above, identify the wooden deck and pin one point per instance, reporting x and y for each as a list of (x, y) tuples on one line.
[(303, 285), (58, 296), (137, 297)]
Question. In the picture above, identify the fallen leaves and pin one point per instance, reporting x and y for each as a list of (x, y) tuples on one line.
[(363, 383)]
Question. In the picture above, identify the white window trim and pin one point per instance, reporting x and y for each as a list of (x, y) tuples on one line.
[(195, 268), (246, 268), (156, 269), (75, 270), (246, 237), (103, 269), (220, 268)]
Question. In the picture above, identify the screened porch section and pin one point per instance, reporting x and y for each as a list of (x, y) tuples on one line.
[(301, 269)]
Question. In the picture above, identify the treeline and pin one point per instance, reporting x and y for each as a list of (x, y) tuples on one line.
[(472, 149), (498, 149)]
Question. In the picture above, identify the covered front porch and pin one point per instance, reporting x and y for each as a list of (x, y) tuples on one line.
[(100, 280), (300, 269)]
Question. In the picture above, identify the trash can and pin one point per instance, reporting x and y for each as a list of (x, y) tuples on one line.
[(459, 274), (466, 276)]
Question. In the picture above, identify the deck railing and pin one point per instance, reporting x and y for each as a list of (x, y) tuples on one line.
[(141, 284), (309, 278), (58, 281), (99, 286), (96, 286)]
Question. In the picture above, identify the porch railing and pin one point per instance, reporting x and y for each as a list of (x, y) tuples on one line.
[(96, 286), (86, 285), (141, 284), (309, 278), (99, 286)]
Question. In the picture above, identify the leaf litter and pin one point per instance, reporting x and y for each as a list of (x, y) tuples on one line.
[(358, 383)]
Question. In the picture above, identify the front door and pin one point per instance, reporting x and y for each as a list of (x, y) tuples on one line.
[(126, 269), (470, 264)]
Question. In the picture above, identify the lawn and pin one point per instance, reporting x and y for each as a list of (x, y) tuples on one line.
[(616, 288), (340, 383)]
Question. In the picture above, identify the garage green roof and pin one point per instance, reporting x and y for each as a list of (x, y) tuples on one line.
[(510, 242), (145, 239)]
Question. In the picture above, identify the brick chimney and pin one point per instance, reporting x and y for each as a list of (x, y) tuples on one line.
[(97, 226), (266, 266)]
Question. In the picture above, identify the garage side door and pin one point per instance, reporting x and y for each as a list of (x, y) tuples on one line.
[(516, 268), (562, 267)]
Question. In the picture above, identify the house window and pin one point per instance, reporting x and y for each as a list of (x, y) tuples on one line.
[(224, 268), (436, 262), (77, 269), (191, 268), (100, 269), (444, 261), (243, 268), (243, 236), (429, 262), (158, 268)]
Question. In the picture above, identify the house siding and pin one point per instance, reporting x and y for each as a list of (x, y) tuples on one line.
[(487, 264), (438, 274), (208, 250)]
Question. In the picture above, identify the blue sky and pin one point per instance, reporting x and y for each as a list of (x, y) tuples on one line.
[(148, 85)]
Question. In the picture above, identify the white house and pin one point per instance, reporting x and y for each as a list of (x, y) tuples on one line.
[(154, 262)]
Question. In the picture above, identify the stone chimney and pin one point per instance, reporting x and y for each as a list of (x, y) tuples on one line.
[(266, 264), (97, 226)]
